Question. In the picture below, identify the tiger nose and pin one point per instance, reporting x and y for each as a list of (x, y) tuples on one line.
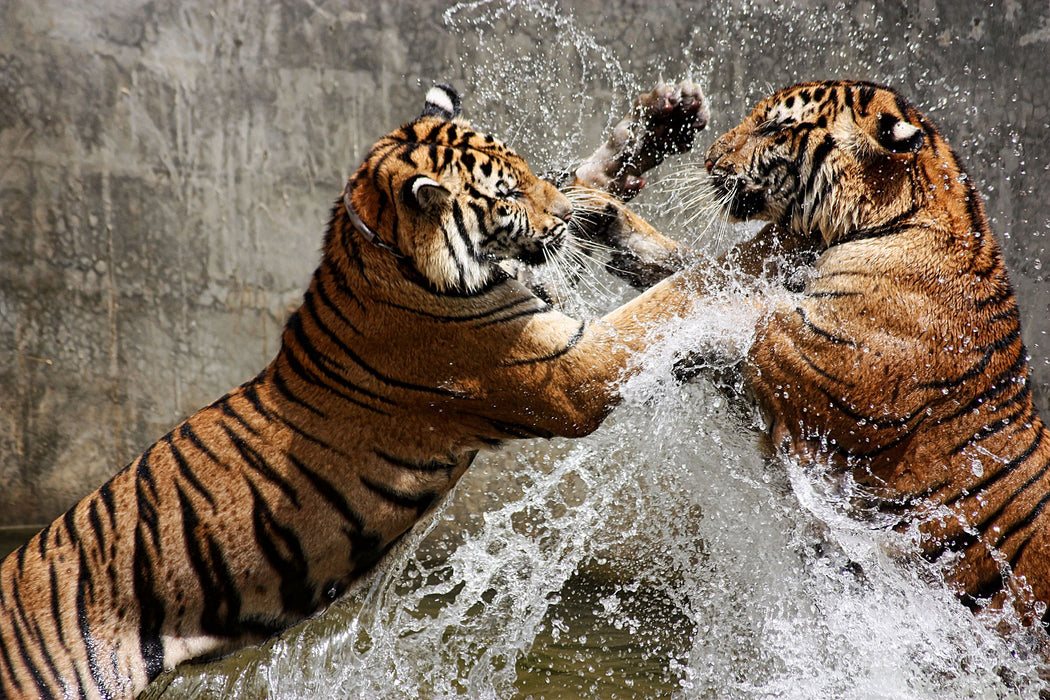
[(709, 164), (561, 208)]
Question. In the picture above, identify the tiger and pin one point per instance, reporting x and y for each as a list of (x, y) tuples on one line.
[(899, 361), (412, 351)]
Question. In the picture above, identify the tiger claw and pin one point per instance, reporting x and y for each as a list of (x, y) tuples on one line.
[(661, 122)]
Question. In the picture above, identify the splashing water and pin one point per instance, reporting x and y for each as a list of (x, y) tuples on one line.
[(662, 556)]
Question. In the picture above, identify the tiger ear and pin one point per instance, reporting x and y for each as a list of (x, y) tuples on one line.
[(425, 194), (899, 136), (442, 101)]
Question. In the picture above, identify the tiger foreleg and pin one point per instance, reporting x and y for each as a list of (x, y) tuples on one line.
[(661, 122)]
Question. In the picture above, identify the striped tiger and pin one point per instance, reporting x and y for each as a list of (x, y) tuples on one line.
[(902, 362), (412, 350)]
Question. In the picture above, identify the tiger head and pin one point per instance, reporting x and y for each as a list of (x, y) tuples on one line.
[(831, 160), (453, 202)]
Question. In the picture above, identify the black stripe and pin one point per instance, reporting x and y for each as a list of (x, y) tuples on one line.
[(323, 365), (251, 393), (480, 213), (329, 303), (90, 645), (281, 547), (228, 410), (18, 622), (875, 422), (310, 309), (151, 611), (309, 437), (367, 549), (330, 493), (569, 345), (984, 590), (219, 593), (41, 542), (988, 352), (463, 230), (56, 610), (310, 378), (1029, 519), (253, 459), (962, 541), (518, 430), (894, 226), (1034, 513), (474, 316), (819, 370), (523, 313), (322, 361), (994, 428), (148, 516), (282, 387), (461, 271), (821, 332), (57, 617), (105, 492), (865, 94), (96, 524), (187, 471), (999, 385), (186, 432), (412, 465), (419, 501), (8, 665)]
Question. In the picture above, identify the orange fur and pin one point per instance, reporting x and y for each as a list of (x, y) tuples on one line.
[(902, 361), (412, 350)]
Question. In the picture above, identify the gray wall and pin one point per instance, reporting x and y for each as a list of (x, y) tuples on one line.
[(166, 167)]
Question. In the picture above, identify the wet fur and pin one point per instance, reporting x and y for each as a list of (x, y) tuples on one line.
[(902, 360), (412, 350)]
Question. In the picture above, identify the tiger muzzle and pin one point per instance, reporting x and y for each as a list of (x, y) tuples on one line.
[(740, 197)]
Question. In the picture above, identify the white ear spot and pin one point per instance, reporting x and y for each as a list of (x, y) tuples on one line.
[(425, 193), (442, 101), (421, 182), (899, 136), (903, 131)]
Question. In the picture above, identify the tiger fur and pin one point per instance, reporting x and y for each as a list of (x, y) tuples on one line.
[(411, 351), (902, 362)]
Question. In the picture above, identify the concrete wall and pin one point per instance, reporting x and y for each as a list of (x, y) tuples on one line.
[(166, 167)]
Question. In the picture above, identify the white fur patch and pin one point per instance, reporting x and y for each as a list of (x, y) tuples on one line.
[(903, 131), (440, 99), (422, 182)]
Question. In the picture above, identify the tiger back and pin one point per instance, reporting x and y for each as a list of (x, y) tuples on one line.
[(411, 351)]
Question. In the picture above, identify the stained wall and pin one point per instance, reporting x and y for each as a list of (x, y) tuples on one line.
[(167, 167)]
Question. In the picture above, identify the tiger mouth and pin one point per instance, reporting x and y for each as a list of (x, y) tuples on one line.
[(541, 250), (741, 200)]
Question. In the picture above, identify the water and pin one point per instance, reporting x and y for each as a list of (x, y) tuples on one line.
[(663, 556)]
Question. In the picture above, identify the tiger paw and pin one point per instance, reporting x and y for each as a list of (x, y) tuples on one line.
[(660, 123)]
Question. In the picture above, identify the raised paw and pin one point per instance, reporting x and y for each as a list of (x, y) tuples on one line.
[(660, 123)]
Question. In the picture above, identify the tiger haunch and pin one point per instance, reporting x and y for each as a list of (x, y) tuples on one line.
[(411, 351)]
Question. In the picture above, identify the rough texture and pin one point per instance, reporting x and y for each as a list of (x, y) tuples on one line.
[(166, 167)]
